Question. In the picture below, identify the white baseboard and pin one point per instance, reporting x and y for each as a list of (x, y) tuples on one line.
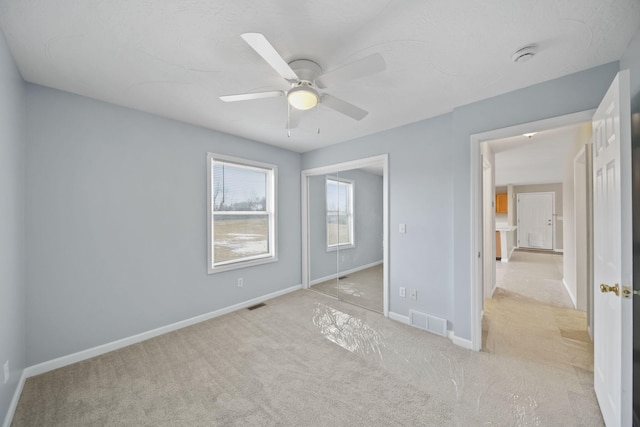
[(115, 345), (461, 342), (399, 318), (464, 343), (344, 273), (60, 362), (508, 256), (559, 250), (14, 401), (573, 298)]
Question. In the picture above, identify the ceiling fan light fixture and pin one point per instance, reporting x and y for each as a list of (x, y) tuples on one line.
[(303, 96)]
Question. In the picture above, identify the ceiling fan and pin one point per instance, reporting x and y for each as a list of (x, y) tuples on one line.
[(306, 79)]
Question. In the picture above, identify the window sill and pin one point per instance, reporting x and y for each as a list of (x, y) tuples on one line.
[(241, 264), (340, 247)]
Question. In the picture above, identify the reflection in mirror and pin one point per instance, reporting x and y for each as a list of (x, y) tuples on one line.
[(323, 262), (349, 223)]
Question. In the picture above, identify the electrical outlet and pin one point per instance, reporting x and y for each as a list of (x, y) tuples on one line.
[(413, 294), (240, 282), (6, 371), (403, 292)]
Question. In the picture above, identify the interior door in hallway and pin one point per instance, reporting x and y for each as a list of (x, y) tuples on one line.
[(612, 333), (535, 220)]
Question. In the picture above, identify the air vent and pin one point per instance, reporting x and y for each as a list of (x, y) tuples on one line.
[(253, 307), (433, 324)]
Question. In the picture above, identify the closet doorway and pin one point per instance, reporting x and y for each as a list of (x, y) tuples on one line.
[(344, 229)]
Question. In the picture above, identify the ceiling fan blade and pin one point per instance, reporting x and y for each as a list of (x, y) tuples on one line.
[(261, 45), (250, 96), (364, 67), (343, 107), (295, 116)]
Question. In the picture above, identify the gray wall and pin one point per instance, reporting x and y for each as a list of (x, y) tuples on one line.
[(430, 186), (12, 225), (631, 61), (421, 196), (116, 214), (367, 225), (557, 206)]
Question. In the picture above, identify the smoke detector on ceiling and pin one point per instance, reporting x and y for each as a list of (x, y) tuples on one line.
[(524, 54)]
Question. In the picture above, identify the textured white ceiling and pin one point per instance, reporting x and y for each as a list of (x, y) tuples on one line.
[(520, 160), (175, 58)]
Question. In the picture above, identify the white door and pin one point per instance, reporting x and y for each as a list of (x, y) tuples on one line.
[(612, 253), (535, 220)]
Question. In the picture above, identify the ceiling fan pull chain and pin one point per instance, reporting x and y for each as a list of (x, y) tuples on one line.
[(288, 120)]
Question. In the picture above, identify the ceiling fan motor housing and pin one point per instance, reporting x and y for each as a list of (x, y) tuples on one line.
[(306, 69)]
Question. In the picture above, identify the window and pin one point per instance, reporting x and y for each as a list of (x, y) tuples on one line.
[(241, 212), (339, 213)]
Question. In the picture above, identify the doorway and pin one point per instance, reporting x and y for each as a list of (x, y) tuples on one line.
[(479, 257), (344, 229), (612, 229)]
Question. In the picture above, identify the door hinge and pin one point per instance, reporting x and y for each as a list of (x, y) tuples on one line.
[(627, 291)]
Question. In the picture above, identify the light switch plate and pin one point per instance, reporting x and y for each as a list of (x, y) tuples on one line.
[(403, 228), (6, 371)]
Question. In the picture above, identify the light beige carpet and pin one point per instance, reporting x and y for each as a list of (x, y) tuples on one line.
[(536, 275), (308, 360)]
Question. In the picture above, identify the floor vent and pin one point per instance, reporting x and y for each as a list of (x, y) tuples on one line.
[(429, 323), (253, 307)]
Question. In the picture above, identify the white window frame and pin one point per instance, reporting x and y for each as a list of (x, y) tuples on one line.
[(271, 203), (351, 215)]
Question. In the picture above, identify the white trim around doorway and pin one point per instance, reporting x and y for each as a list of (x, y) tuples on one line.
[(476, 254)]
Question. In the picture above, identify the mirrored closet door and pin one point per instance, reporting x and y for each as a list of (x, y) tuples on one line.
[(345, 229)]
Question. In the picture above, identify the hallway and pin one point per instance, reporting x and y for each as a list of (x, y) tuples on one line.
[(531, 318), (536, 275)]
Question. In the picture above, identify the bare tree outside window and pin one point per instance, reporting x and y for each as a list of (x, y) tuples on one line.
[(242, 212), (339, 212)]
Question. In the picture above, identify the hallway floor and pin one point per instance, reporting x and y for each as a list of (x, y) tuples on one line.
[(531, 318), (535, 275)]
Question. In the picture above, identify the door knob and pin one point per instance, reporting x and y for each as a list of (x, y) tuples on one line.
[(606, 288)]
